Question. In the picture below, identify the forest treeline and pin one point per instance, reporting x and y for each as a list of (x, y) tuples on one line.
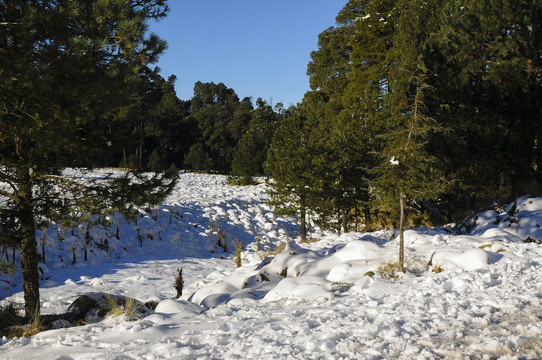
[(437, 103), (214, 131), (429, 106)]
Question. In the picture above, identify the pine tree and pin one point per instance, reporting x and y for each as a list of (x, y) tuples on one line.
[(213, 107), (289, 166), (487, 60), (63, 66), (165, 130), (343, 188), (133, 123), (364, 108), (251, 151), (407, 171)]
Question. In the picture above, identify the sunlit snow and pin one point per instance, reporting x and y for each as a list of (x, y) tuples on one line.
[(328, 299)]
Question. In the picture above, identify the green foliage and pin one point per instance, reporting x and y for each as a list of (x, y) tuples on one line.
[(152, 121), (58, 84), (488, 63), (6, 267), (232, 136), (289, 166), (412, 101), (179, 283), (155, 162), (213, 107), (242, 181), (251, 151), (198, 158)]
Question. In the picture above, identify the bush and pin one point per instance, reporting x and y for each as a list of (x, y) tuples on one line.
[(12, 324), (154, 162), (242, 181), (6, 267), (238, 250)]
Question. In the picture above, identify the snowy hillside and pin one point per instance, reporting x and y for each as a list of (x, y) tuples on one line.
[(477, 294)]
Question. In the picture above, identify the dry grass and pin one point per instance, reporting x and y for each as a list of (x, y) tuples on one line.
[(128, 306), (277, 250), (488, 246), (238, 250), (12, 323), (388, 270)]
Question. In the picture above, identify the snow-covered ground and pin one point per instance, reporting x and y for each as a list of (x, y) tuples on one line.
[(329, 299)]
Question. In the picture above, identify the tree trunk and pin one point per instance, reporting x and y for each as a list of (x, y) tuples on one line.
[(367, 219), (141, 141), (303, 215), (339, 226), (401, 233), (310, 227), (344, 222), (29, 252), (124, 158), (356, 216)]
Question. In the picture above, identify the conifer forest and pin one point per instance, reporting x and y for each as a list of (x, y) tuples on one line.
[(419, 113)]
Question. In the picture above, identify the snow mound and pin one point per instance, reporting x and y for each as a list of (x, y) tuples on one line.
[(331, 298), (472, 259), (306, 288), (171, 306), (296, 274)]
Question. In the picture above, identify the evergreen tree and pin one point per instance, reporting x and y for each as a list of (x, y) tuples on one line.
[(487, 60), (344, 154), (241, 119), (407, 171), (63, 66), (289, 165), (364, 108), (251, 151), (155, 162), (133, 122), (212, 108), (166, 132)]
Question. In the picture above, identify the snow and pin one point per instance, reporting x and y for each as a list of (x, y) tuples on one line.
[(332, 298)]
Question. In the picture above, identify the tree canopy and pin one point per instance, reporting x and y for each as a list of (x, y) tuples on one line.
[(421, 103), (65, 67)]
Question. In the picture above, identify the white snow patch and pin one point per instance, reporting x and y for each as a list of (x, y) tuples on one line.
[(324, 299)]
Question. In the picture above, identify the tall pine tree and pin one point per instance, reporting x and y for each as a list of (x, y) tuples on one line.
[(290, 166), (63, 66)]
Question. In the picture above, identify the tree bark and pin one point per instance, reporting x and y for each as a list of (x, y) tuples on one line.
[(401, 233), (356, 216), (344, 222), (303, 216), (339, 221), (29, 252)]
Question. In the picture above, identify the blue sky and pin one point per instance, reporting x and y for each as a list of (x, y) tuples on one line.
[(258, 48)]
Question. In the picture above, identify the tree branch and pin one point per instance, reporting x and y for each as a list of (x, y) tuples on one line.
[(65, 180), (8, 195)]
